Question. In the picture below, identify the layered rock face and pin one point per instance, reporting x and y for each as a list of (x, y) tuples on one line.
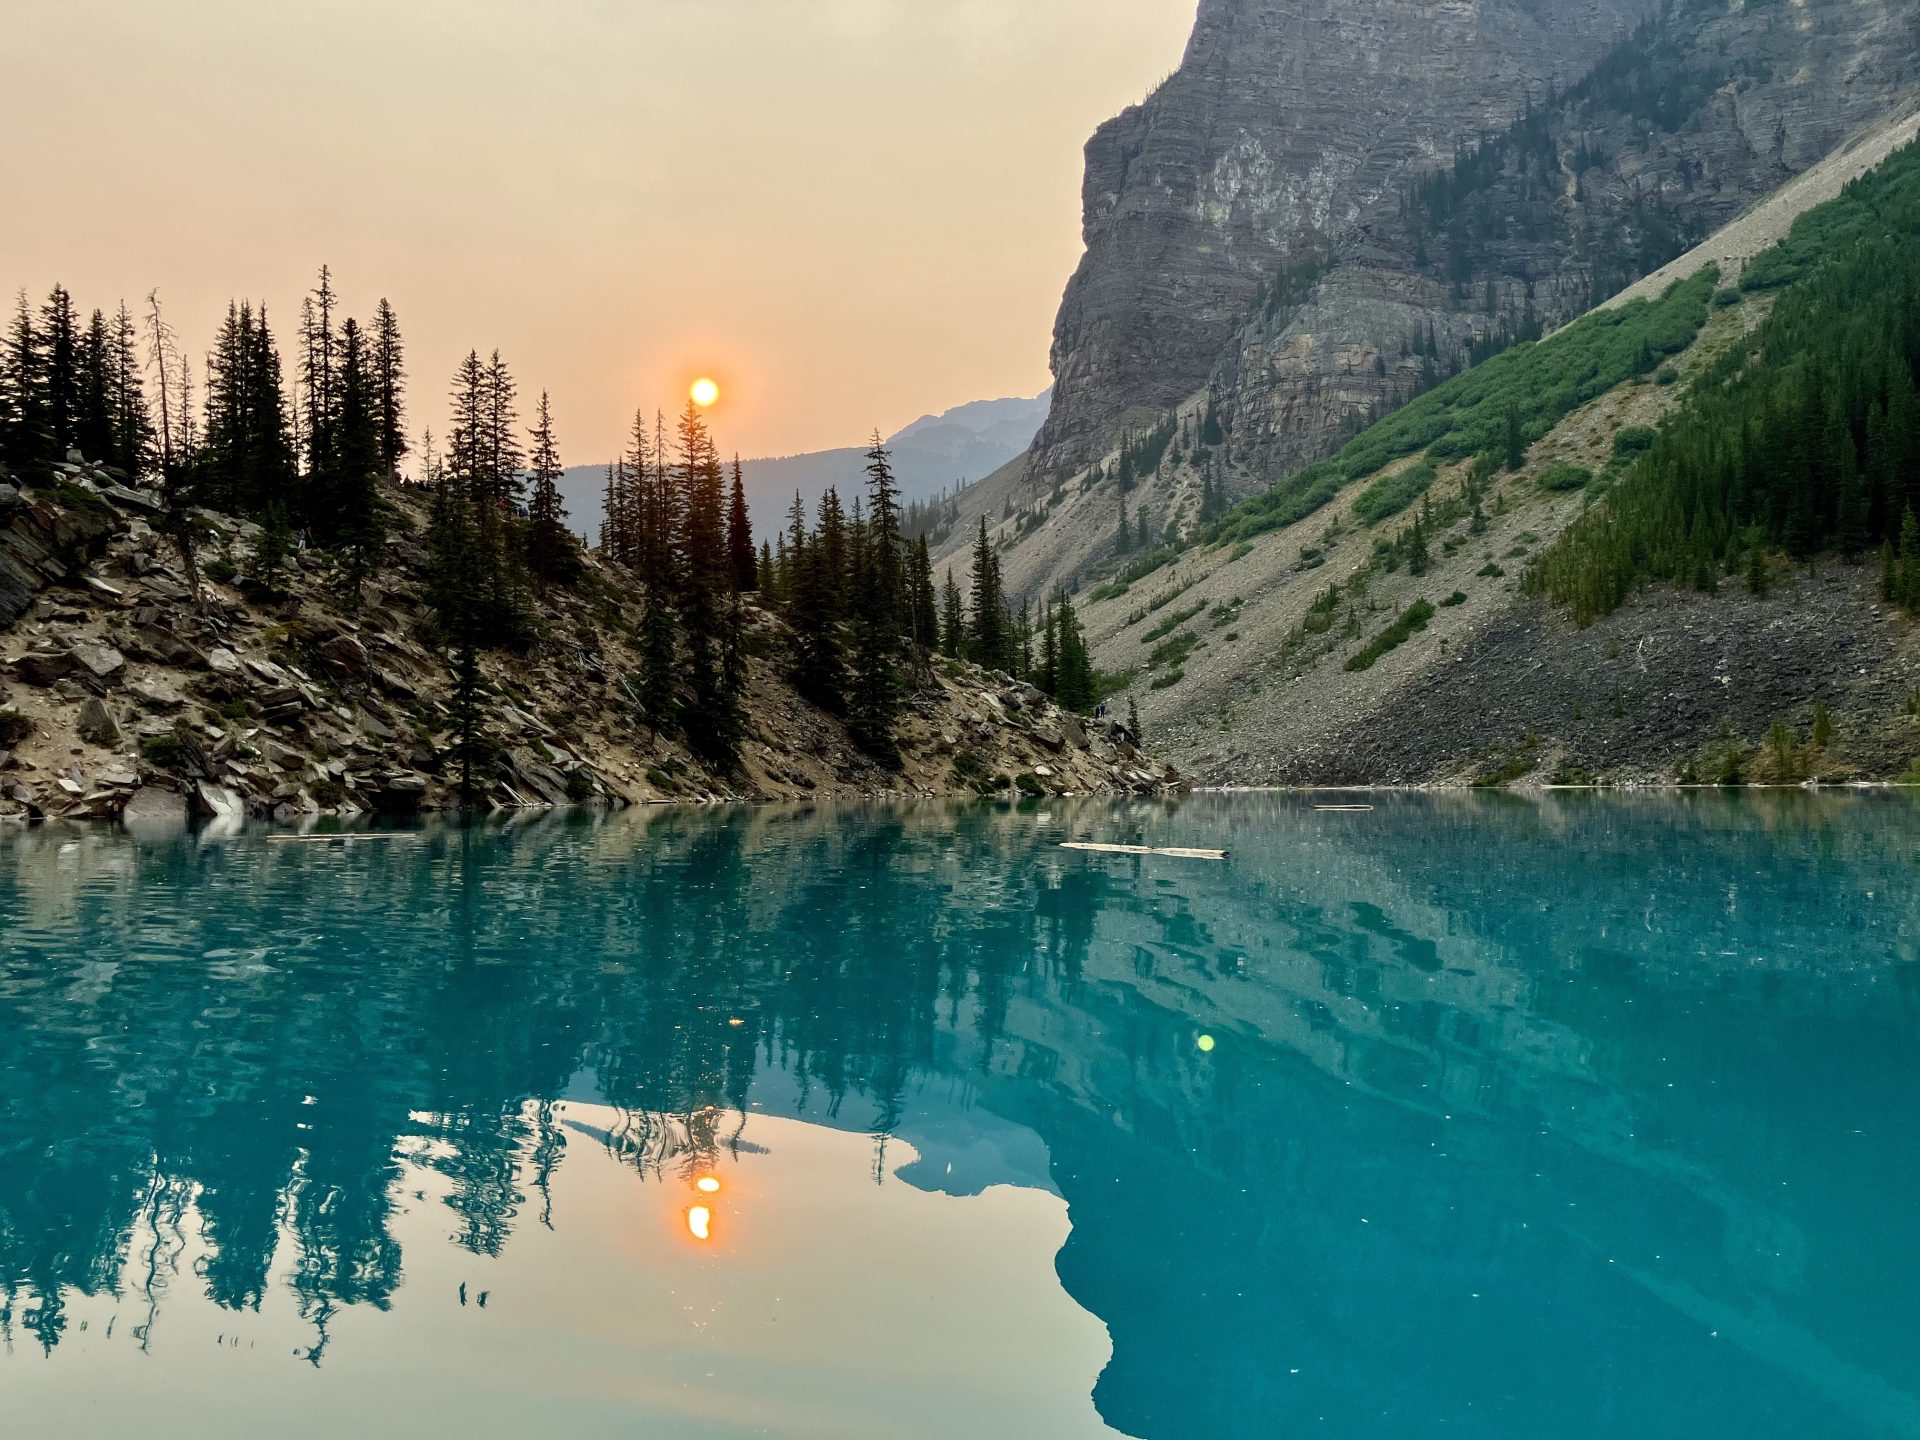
[(1288, 124), (1697, 117), (1268, 227)]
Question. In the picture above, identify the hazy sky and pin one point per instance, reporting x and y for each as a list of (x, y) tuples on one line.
[(848, 211)]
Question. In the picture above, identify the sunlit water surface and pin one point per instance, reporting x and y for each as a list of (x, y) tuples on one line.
[(1463, 1116)]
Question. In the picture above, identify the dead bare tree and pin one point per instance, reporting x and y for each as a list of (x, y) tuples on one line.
[(164, 356)]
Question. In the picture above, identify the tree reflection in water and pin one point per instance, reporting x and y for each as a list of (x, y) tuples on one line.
[(1516, 1040)]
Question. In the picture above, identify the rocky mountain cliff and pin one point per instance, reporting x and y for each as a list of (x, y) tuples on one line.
[(1289, 125), (1325, 211), (122, 691)]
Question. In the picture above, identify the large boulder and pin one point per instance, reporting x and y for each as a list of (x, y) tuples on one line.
[(400, 793), (347, 656), (43, 667), (156, 696), (97, 725), (217, 802), (99, 666)]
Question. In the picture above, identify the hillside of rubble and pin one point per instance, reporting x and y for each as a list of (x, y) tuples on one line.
[(123, 693)]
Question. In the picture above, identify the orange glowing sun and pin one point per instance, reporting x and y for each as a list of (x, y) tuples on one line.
[(704, 392)]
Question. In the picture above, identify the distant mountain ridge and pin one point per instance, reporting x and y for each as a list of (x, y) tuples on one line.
[(934, 454)]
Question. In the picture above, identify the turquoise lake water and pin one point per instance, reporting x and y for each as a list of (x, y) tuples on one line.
[(1469, 1116)]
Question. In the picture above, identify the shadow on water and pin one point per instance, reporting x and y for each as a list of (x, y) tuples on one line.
[(1570, 1115)]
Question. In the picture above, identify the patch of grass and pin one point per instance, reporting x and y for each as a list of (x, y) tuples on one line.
[(1171, 678), (1516, 763), (1458, 597), (164, 752), (1634, 440), (1557, 478), (1029, 784), (1490, 571), (1391, 494), (1173, 622), (1411, 622), (1173, 652), (74, 498)]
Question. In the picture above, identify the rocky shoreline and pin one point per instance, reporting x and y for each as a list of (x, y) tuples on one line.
[(125, 694)]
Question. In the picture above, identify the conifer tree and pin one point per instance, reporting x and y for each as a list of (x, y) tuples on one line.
[(953, 620), (1048, 678), (505, 486), (549, 545), (1906, 586), (888, 549), (987, 633), (873, 689), (706, 588), (247, 462), (659, 659), (60, 369), (26, 441), (271, 555), (319, 372), (922, 604), (467, 438), (93, 423), (453, 539), (814, 607), (611, 500), (1074, 685), (132, 427), (746, 570), (389, 389), (356, 526)]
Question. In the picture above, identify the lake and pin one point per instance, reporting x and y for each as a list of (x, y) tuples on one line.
[(1473, 1116)]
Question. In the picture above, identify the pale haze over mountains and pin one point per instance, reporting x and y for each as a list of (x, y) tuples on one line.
[(935, 454)]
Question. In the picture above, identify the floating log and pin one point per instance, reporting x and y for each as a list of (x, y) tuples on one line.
[(1342, 809), (1177, 852), (336, 839)]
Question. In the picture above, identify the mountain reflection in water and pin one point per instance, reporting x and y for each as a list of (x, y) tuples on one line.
[(1572, 1116)]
